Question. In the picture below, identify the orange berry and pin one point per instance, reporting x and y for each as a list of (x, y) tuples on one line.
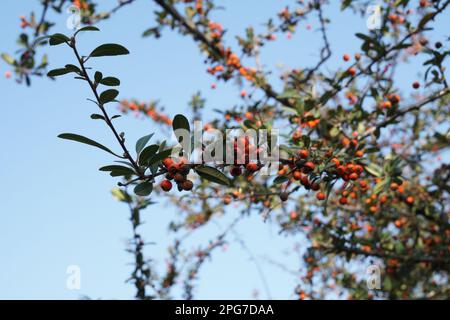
[(410, 200), (303, 154), (352, 71), (336, 162), (252, 167), (310, 166), (394, 186), (386, 104), (168, 162), (359, 153), (166, 185), (297, 175), (353, 176), (346, 57), (320, 196), (358, 169)]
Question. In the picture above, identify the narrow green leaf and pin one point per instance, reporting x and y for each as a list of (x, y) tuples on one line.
[(81, 139), (213, 175), (109, 49), (8, 59), (96, 116), (116, 170), (280, 180), (120, 195), (87, 28), (374, 169), (58, 72), (143, 189)]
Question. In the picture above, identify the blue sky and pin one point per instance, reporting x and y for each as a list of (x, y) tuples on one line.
[(56, 206)]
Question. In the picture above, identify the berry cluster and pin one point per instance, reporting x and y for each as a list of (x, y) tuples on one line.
[(177, 172)]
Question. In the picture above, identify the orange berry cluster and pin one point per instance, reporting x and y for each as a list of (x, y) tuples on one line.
[(177, 172), (392, 99), (81, 4), (145, 109)]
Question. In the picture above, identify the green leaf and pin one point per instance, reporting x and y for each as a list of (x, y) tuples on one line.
[(58, 72), (180, 122), (73, 68), (142, 142), (81, 139), (87, 28), (374, 169), (8, 59), (147, 153), (57, 39), (345, 4), (110, 81), (96, 116), (306, 141), (115, 116), (143, 189), (120, 195), (98, 76), (109, 49), (425, 20), (380, 186), (116, 170), (280, 179), (108, 95), (160, 156), (213, 175)]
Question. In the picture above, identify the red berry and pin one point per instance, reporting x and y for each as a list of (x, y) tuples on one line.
[(187, 185), (343, 200), (303, 154), (236, 171), (166, 185), (416, 85), (252, 167), (320, 196), (353, 176), (167, 162), (309, 166), (179, 178), (297, 175)]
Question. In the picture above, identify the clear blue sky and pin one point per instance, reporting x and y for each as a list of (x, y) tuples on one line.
[(56, 208)]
